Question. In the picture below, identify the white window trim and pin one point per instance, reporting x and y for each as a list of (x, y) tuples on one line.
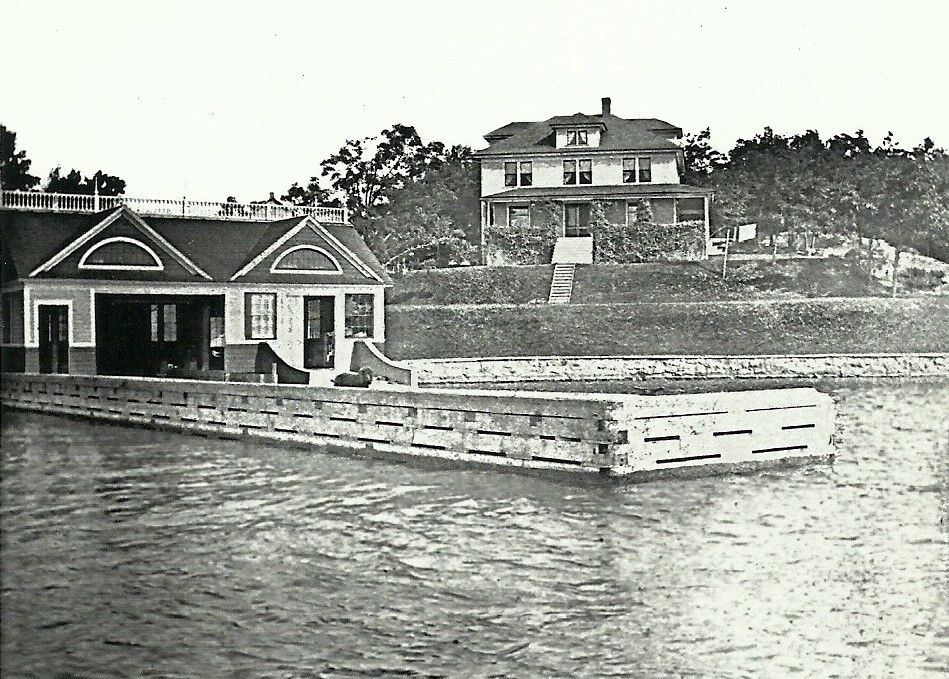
[(517, 172), (274, 268), (157, 266), (578, 132), (576, 165), (636, 160)]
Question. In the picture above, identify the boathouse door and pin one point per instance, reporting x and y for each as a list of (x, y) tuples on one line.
[(54, 338), (319, 343)]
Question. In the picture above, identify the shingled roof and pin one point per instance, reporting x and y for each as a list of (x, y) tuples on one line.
[(219, 248), (619, 134)]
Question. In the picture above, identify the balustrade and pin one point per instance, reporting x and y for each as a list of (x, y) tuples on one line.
[(66, 202)]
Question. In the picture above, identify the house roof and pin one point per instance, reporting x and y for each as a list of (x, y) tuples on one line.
[(612, 191), (219, 248), (619, 134)]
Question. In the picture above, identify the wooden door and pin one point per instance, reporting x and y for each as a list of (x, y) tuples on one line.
[(319, 346), (54, 338)]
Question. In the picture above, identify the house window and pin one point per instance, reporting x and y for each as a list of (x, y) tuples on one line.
[(306, 259), (645, 170), (522, 171), (577, 172), (359, 315), (260, 315), (577, 138), (576, 219), (586, 171), (690, 210), (121, 252), (637, 170), (519, 216)]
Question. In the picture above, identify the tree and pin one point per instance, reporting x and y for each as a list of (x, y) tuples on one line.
[(365, 172), (311, 194), (429, 220), (14, 165), (74, 182), (701, 160), (908, 200)]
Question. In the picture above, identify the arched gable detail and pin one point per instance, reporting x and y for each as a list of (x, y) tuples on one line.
[(155, 265), (282, 264)]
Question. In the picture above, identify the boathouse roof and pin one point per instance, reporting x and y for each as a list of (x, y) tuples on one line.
[(49, 244)]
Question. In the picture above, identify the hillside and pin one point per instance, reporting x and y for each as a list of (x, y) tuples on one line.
[(755, 279)]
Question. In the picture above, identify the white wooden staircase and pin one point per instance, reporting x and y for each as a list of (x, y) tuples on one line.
[(568, 252), (561, 284)]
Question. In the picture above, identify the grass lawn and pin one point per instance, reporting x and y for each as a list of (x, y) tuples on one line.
[(806, 326), (654, 282)]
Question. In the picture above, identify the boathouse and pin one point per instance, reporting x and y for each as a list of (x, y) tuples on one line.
[(161, 288)]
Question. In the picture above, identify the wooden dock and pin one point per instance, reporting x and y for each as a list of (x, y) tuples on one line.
[(634, 437)]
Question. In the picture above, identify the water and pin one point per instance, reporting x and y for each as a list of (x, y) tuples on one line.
[(127, 552)]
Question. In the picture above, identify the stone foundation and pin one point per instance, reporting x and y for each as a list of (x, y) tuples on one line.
[(570, 368)]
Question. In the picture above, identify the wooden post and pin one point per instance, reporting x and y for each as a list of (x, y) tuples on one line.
[(725, 258)]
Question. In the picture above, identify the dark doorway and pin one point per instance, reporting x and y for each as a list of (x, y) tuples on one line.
[(54, 338), (319, 343), (159, 335)]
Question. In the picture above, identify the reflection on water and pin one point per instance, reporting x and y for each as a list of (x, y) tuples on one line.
[(130, 552)]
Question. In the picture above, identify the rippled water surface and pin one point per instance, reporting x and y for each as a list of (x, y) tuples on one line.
[(130, 552)]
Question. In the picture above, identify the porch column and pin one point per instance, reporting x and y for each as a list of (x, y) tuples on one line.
[(485, 210)]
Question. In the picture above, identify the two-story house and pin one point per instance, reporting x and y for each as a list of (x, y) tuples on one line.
[(580, 161)]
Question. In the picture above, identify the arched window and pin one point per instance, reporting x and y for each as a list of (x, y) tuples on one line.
[(122, 253), (306, 259)]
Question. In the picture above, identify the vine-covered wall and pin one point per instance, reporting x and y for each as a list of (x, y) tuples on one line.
[(532, 243), (642, 239), (614, 241)]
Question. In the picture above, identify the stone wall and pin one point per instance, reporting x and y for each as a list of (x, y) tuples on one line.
[(568, 368)]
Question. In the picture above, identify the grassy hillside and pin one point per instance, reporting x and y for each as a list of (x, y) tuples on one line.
[(658, 282), (742, 327)]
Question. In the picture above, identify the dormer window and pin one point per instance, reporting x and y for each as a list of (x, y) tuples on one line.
[(519, 174), (577, 138)]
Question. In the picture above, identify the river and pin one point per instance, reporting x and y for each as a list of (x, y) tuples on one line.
[(128, 552)]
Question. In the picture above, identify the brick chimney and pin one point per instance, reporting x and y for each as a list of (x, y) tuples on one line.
[(606, 105)]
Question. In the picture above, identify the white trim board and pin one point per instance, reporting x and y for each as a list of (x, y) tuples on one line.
[(138, 222)]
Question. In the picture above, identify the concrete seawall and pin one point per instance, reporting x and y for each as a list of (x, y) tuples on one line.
[(568, 368), (636, 437)]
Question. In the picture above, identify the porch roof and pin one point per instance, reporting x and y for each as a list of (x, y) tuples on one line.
[(588, 192)]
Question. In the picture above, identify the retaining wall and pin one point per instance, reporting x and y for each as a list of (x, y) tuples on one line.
[(636, 437), (570, 368)]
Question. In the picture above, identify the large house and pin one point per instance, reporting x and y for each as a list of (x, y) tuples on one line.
[(119, 286), (579, 161)]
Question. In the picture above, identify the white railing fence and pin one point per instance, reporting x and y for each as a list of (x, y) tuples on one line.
[(67, 202)]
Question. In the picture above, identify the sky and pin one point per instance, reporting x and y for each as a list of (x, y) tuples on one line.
[(216, 99)]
